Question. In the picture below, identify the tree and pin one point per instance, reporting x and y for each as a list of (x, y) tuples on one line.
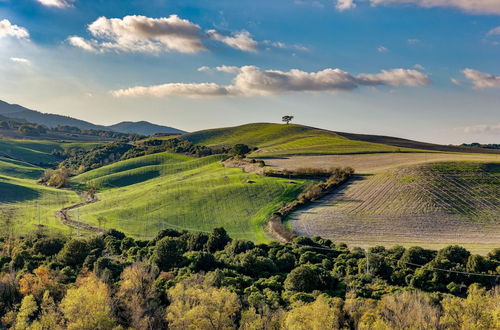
[(287, 119), (200, 306), (88, 306), (26, 313), (323, 313), (140, 298), (168, 252), (74, 252), (307, 278), (240, 150)]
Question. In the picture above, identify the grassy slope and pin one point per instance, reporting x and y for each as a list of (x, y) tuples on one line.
[(38, 152), (173, 191), (287, 140), (21, 200)]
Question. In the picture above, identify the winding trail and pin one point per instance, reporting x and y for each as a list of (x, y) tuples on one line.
[(66, 219)]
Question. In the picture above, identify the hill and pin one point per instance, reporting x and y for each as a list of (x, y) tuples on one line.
[(142, 195), (429, 205), (143, 128), (16, 111), (279, 140)]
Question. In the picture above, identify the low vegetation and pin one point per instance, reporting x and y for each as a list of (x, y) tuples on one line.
[(181, 280), (275, 140)]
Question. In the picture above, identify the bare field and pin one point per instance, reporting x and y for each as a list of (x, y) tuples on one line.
[(373, 163), (430, 205)]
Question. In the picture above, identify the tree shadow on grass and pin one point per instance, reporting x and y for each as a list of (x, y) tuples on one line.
[(11, 193)]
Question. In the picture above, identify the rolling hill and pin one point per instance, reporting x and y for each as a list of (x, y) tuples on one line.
[(16, 111), (278, 140), (142, 195)]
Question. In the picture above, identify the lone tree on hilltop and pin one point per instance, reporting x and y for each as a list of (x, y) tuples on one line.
[(287, 119)]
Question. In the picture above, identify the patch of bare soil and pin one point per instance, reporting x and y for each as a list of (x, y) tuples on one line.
[(373, 163)]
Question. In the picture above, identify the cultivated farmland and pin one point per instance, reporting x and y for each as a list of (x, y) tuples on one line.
[(428, 205)]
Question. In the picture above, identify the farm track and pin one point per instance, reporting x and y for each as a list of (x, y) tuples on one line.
[(66, 219)]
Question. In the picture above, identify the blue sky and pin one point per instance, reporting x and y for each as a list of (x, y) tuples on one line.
[(369, 66)]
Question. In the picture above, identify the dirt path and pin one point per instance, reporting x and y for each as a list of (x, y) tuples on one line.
[(66, 219)]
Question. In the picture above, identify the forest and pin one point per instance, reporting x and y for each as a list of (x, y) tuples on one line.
[(199, 280)]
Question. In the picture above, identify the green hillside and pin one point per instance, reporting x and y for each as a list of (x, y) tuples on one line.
[(287, 140), (145, 194), (38, 152)]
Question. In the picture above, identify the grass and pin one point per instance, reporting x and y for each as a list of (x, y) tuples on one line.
[(276, 140), (22, 202), (181, 192), (38, 152)]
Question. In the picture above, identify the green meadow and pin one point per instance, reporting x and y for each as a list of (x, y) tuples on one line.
[(142, 195), (275, 140)]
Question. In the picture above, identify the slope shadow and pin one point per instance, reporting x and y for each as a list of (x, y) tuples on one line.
[(10, 193)]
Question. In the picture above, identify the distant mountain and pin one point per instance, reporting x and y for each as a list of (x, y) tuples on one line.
[(16, 111), (143, 127)]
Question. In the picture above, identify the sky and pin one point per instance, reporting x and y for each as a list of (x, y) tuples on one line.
[(427, 70)]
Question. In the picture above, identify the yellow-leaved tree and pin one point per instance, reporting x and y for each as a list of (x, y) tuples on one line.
[(195, 305), (480, 310), (88, 306), (323, 313)]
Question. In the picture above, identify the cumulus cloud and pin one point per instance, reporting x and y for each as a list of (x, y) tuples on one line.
[(456, 81), (57, 3), (345, 5), (251, 81), (20, 60), (481, 80), (155, 35), (142, 34), (227, 69), (395, 77), (7, 29), (474, 129), (240, 40), (472, 6), (203, 68), (165, 90)]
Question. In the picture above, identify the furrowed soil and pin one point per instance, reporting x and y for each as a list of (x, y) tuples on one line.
[(406, 199)]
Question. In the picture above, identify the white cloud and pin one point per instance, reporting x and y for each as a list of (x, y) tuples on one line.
[(472, 6), (282, 45), (240, 40), (203, 68), (494, 32), (174, 89), (382, 49), (456, 81), (57, 3), (343, 5), (7, 29), (481, 80), (495, 128), (142, 34), (88, 45), (250, 81), (419, 67), (228, 69), (395, 77), (20, 60)]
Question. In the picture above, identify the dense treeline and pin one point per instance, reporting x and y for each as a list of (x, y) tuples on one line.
[(37, 130), (479, 145), (194, 280)]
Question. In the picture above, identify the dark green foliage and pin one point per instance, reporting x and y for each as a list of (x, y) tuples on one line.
[(240, 150), (307, 278), (168, 252), (74, 252), (217, 240), (48, 246)]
